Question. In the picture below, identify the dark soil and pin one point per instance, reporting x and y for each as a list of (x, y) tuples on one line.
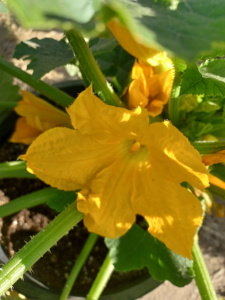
[(54, 267)]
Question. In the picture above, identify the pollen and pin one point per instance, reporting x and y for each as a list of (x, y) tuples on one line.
[(135, 147)]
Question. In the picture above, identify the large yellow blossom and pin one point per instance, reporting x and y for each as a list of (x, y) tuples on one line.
[(123, 167), (37, 116), (151, 86)]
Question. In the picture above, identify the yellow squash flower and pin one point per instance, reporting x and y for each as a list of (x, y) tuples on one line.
[(131, 42), (151, 86), (152, 74), (123, 167), (37, 116)]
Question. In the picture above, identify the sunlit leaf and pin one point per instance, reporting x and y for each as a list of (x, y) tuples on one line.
[(194, 83), (213, 68), (45, 55), (195, 27), (3, 8), (48, 14)]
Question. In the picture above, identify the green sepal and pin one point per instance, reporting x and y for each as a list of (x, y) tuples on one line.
[(138, 249)]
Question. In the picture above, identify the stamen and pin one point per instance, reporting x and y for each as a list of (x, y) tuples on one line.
[(135, 147)]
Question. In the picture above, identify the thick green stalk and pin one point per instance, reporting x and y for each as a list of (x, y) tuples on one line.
[(101, 280), (38, 246), (14, 169), (49, 91), (90, 69), (174, 114), (209, 147), (90, 242), (27, 201), (202, 277)]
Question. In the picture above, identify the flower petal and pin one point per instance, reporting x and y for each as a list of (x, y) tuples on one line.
[(24, 133), (175, 155), (135, 96), (151, 86), (214, 158), (65, 159), (93, 117), (172, 212), (39, 113), (131, 43), (106, 205), (216, 181)]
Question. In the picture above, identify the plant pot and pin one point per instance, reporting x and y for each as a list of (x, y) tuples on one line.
[(132, 288)]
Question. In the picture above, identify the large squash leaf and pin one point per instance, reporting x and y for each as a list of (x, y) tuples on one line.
[(138, 249)]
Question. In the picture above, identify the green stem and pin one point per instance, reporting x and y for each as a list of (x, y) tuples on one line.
[(90, 70), (101, 280), (209, 147), (27, 201), (215, 190), (8, 104), (202, 277), (174, 115), (49, 91), (91, 240), (14, 169), (38, 246)]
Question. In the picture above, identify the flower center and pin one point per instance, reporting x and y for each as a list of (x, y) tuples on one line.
[(135, 147)]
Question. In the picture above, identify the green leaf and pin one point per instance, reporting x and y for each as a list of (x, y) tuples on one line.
[(118, 64), (218, 170), (194, 83), (61, 200), (9, 92), (188, 31), (48, 14), (138, 249), (215, 190), (99, 46), (3, 8), (45, 55), (113, 61), (213, 68)]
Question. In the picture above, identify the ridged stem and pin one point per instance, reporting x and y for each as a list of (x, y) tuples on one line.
[(202, 277), (27, 201), (101, 280), (45, 89), (38, 246), (90, 69), (15, 169)]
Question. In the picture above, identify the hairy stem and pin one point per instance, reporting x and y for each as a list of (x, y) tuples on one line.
[(90, 69), (38, 246)]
